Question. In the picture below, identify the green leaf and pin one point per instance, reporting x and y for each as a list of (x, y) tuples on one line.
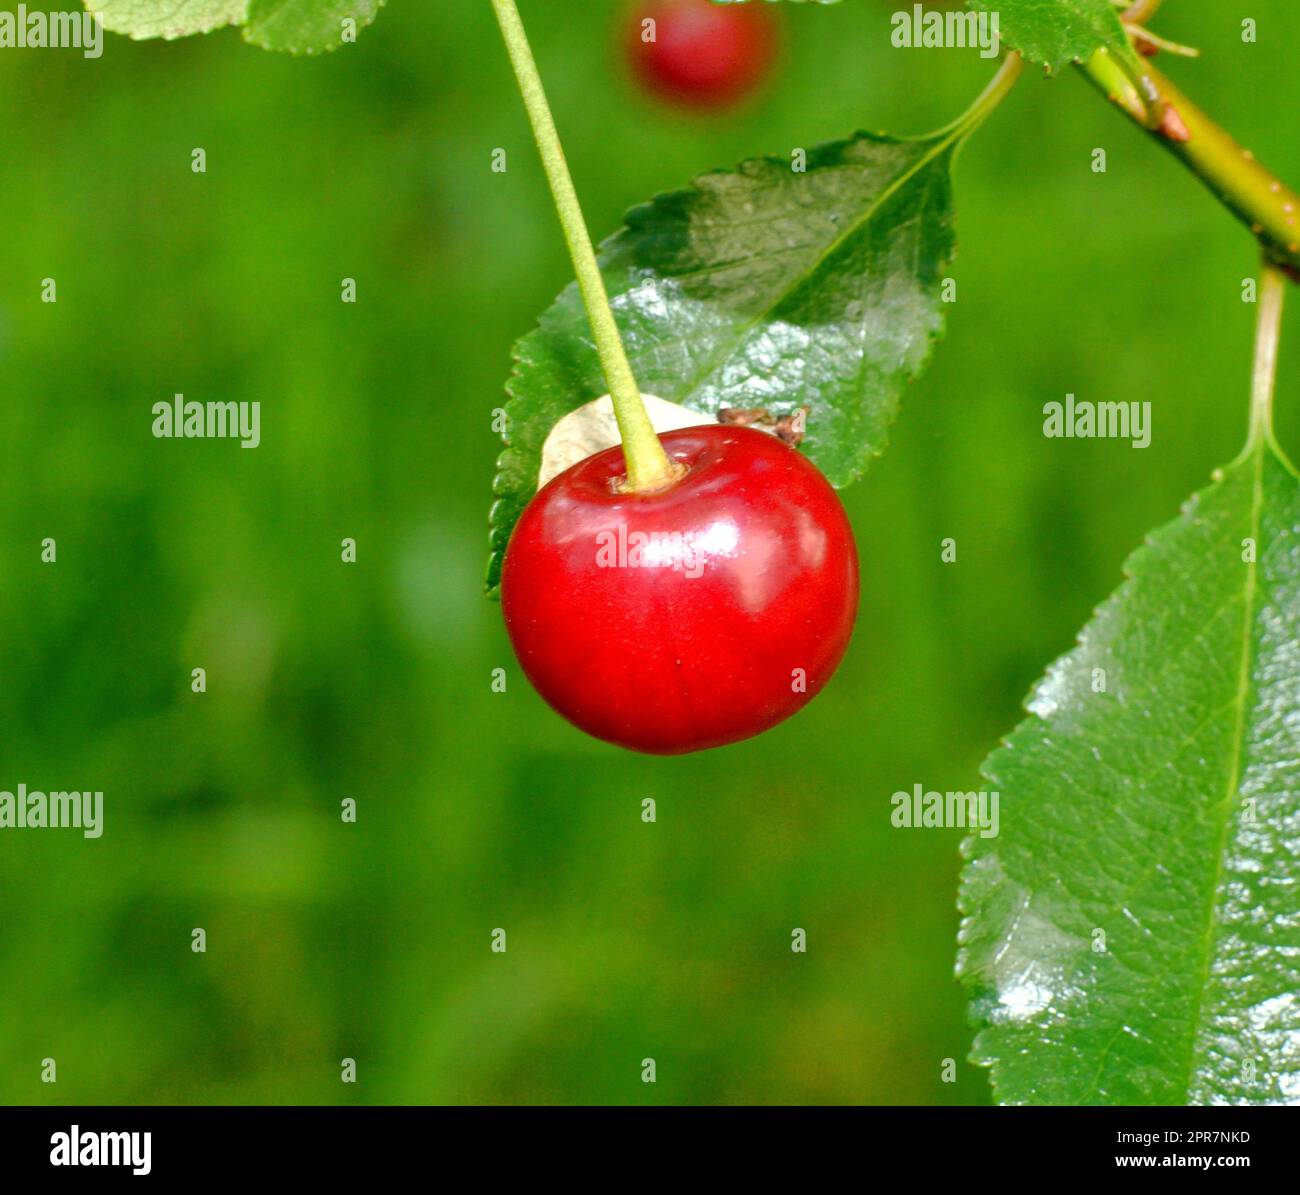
[(1056, 32), (305, 26), (762, 286), (1159, 819), (296, 26), (167, 18)]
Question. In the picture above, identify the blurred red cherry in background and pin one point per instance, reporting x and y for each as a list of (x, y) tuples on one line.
[(700, 54)]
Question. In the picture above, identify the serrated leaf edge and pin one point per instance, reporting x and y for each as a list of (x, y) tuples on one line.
[(247, 34), (309, 51), (1151, 540)]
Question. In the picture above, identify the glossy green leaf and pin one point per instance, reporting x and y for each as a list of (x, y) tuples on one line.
[(1132, 936), (762, 286), (1057, 32), (295, 26)]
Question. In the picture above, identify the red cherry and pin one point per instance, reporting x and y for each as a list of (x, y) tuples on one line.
[(704, 55), (687, 617)]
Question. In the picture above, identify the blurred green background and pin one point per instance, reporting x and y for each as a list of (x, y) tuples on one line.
[(480, 810)]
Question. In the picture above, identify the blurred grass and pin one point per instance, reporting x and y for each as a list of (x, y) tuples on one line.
[(480, 810)]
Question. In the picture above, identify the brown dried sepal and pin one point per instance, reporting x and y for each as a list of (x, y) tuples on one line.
[(1172, 125), (789, 428)]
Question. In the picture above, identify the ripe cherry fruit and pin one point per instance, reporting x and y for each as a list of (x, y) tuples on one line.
[(690, 616), (701, 54)]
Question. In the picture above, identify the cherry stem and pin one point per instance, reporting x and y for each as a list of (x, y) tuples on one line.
[(1272, 292), (1253, 193), (648, 466)]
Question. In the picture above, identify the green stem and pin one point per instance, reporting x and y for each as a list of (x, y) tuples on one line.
[(648, 466), (1272, 292), (1003, 80), (1253, 193)]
